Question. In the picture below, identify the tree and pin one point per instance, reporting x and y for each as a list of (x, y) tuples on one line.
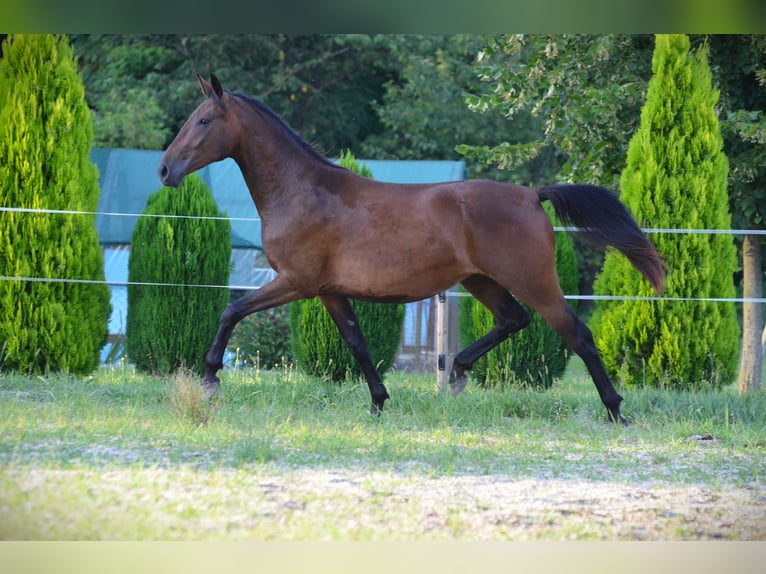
[(586, 89), (738, 64), (317, 346), (424, 113), (676, 177), (590, 89), (536, 355), (322, 84), (46, 133), (171, 325)]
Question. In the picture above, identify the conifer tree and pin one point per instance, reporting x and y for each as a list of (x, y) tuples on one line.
[(316, 344), (172, 325), (534, 356), (675, 177), (46, 135)]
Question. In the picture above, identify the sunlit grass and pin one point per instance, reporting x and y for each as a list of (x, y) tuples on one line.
[(64, 438), (296, 420)]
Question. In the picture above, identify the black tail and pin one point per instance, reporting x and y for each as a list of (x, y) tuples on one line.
[(605, 221)]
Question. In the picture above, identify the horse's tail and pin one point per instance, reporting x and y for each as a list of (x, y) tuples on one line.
[(605, 221)]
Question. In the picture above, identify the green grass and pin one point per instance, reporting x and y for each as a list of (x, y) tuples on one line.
[(71, 447)]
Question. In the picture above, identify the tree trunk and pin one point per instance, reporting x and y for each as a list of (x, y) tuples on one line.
[(752, 317)]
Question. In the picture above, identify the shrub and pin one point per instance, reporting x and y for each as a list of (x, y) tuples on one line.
[(171, 326), (317, 346), (675, 177), (534, 356), (264, 337), (46, 135)]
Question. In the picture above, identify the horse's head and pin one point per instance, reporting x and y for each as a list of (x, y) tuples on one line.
[(206, 137)]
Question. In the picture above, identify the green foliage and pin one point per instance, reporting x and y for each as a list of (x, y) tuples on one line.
[(316, 343), (319, 349), (141, 87), (739, 66), (168, 326), (348, 161), (45, 139), (675, 177), (263, 338), (425, 116), (589, 90), (568, 97), (536, 355), (585, 89)]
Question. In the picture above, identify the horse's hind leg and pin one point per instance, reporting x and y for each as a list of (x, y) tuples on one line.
[(509, 317), (563, 320), (343, 315)]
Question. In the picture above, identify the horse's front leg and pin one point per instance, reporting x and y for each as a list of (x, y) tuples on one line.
[(277, 292), (343, 315)]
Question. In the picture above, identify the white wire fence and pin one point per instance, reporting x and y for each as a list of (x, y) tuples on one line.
[(112, 283), (439, 328)]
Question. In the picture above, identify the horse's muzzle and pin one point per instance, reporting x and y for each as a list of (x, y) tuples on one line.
[(167, 177)]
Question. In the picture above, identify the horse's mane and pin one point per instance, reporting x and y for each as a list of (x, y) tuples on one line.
[(286, 129)]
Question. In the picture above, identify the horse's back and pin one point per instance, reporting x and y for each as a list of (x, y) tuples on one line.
[(502, 212), (475, 217)]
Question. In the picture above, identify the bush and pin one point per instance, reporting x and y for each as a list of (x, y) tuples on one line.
[(46, 135), (319, 349), (317, 346), (264, 338), (534, 356), (170, 326), (675, 177)]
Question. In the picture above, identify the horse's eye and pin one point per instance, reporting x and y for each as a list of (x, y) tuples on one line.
[(204, 121)]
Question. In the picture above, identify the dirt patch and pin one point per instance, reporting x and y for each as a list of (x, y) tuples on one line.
[(497, 508), (262, 503)]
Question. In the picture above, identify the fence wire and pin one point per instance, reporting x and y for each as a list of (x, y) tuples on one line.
[(255, 219), (449, 293)]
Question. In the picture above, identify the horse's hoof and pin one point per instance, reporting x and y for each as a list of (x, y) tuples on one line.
[(622, 420), (456, 387), (210, 386), (377, 406), (379, 397)]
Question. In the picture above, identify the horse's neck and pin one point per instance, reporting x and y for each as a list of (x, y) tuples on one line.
[(275, 166)]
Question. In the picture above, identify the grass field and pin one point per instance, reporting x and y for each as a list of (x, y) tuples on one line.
[(277, 456)]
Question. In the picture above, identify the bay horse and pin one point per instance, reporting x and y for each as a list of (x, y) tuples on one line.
[(335, 235)]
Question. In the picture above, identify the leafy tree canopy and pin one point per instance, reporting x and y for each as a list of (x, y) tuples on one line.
[(141, 87)]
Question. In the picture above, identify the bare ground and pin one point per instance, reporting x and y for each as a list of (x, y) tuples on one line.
[(496, 508), (340, 504)]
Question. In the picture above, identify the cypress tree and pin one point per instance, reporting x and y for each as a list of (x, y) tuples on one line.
[(317, 346), (46, 135), (675, 177), (172, 325), (534, 356)]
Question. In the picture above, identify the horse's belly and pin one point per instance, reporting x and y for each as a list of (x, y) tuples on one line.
[(397, 278)]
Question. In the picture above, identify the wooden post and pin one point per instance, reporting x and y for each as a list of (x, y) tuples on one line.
[(442, 332)]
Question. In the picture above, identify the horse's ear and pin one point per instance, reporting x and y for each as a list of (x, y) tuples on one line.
[(206, 87), (216, 85)]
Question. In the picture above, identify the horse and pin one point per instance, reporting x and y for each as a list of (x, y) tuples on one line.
[(335, 235)]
